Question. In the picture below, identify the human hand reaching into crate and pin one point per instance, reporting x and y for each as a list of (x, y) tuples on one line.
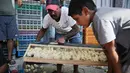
[(19, 2), (42, 1), (61, 40)]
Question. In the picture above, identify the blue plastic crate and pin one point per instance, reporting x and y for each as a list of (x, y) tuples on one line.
[(34, 17), (30, 5), (27, 37), (14, 51), (29, 27), (22, 48), (28, 32), (25, 41), (21, 53), (23, 44), (29, 21), (28, 12)]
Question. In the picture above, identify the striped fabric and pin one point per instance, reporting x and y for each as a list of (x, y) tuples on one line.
[(57, 2)]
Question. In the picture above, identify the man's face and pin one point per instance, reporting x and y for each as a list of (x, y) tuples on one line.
[(83, 19), (54, 14)]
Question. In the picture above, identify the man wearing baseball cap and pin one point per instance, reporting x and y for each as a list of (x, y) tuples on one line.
[(65, 26)]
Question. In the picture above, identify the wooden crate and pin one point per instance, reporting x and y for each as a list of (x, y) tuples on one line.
[(55, 61)]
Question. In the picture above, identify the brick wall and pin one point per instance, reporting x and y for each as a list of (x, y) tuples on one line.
[(89, 37)]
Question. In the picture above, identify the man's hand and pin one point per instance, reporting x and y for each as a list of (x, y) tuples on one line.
[(19, 2), (42, 1), (61, 40)]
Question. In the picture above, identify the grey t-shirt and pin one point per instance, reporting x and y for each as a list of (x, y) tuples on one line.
[(6, 7), (112, 24)]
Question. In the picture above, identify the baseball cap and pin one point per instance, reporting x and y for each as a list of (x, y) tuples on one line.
[(52, 4)]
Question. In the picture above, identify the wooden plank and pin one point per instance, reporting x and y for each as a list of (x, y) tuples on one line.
[(74, 62), (27, 50), (62, 46)]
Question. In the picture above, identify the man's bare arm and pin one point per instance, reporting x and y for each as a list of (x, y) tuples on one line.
[(40, 34), (112, 56), (74, 31)]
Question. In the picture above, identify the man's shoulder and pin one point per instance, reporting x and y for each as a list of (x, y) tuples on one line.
[(64, 10), (111, 9), (47, 16), (108, 12)]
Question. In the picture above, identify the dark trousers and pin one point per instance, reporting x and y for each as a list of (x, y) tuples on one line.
[(124, 55), (2, 59)]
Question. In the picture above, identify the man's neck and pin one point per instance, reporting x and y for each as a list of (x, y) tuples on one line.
[(58, 19)]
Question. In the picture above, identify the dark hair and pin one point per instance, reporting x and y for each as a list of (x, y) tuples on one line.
[(76, 6)]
